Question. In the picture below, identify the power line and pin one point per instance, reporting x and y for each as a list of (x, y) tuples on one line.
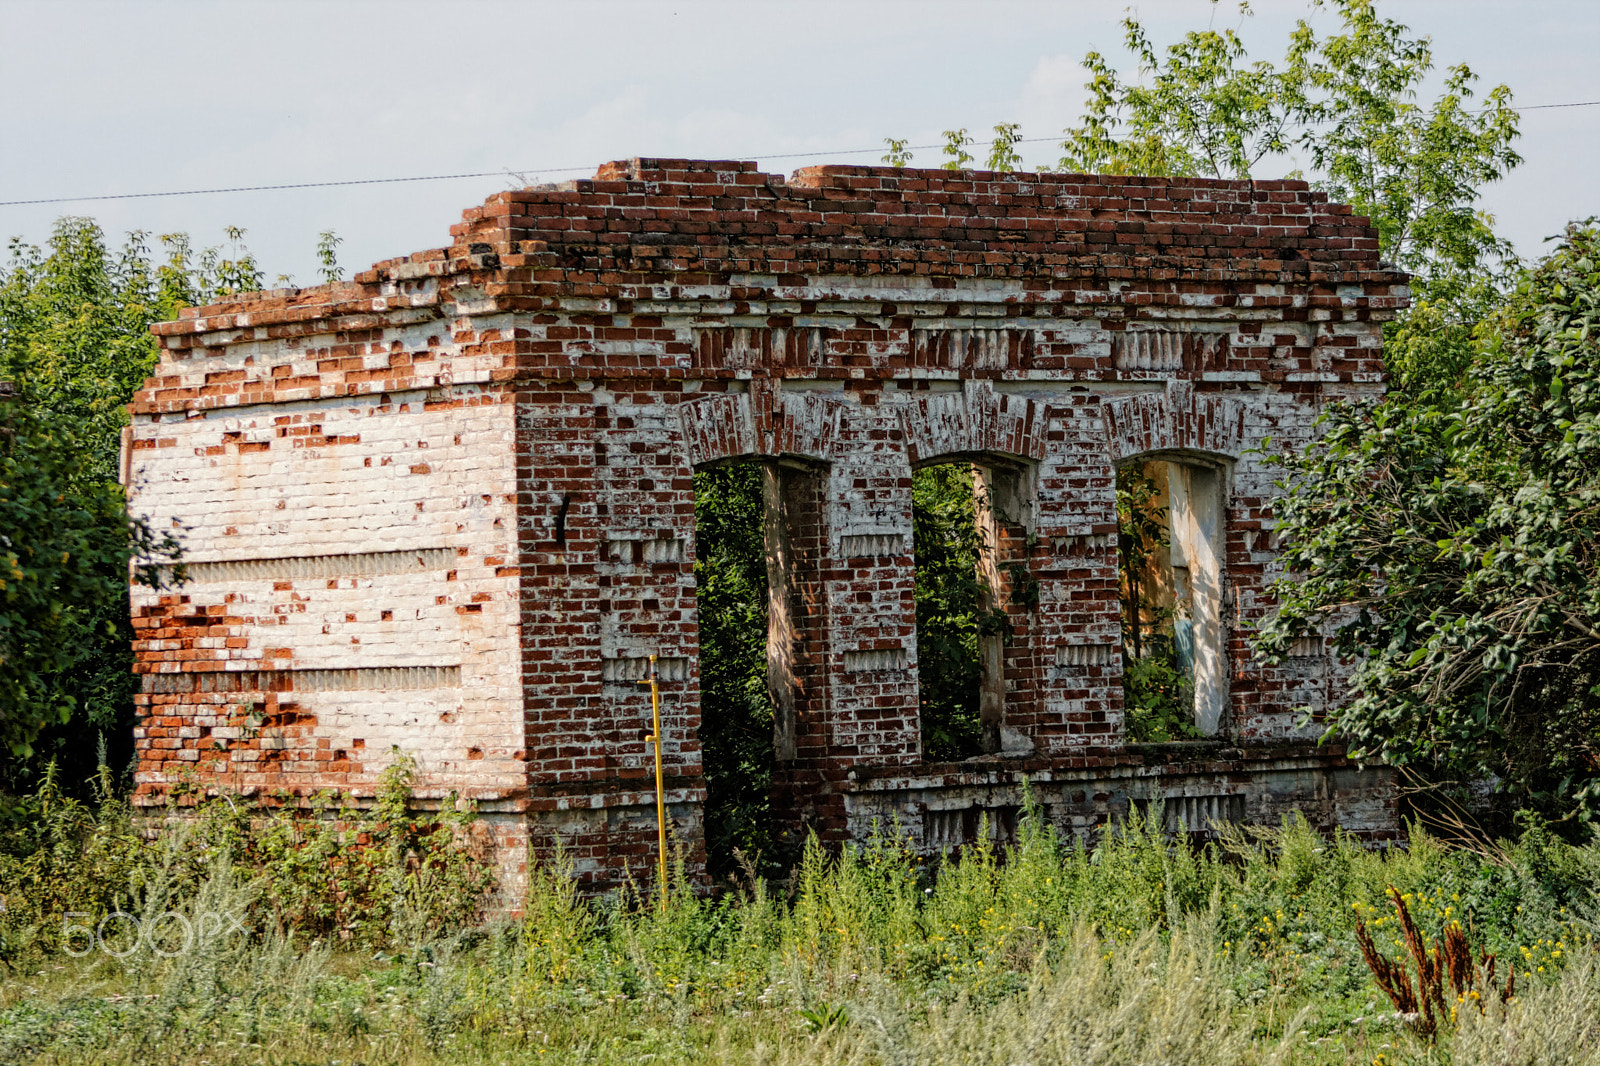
[(507, 173), (273, 188), (546, 170), (1546, 107)]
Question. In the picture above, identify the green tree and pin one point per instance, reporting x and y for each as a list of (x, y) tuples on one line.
[(1348, 100), (75, 343), (1003, 149), (956, 143), (65, 544), (1201, 114), (75, 321), (328, 256), (1416, 173), (1455, 550), (74, 324), (898, 154)]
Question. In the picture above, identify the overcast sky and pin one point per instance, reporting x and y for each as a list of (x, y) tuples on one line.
[(134, 96)]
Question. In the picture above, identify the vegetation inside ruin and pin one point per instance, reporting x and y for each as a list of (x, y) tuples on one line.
[(952, 615), (736, 722), (736, 731), (236, 939), (1157, 693)]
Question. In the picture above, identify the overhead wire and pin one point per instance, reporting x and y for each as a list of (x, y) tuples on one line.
[(508, 172)]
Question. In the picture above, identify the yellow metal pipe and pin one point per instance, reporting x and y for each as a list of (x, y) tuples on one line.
[(661, 794)]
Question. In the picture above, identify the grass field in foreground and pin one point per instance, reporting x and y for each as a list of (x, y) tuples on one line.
[(1135, 951)]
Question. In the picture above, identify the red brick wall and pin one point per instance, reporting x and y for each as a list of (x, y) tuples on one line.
[(447, 507)]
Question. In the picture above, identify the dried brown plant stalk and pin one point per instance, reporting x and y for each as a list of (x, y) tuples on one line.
[(1450, 959)]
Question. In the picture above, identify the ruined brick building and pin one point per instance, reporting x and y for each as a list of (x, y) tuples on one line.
[(447, 507)]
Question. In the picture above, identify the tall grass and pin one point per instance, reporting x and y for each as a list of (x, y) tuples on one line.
[(1147, 1002), (1133, 951)]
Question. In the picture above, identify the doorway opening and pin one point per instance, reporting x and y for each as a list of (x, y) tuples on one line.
[(960, 623), (736, 709), (1169, 570)]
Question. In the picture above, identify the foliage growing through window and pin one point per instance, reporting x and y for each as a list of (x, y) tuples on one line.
[(736, 721), (1158, 696), (951, 615)]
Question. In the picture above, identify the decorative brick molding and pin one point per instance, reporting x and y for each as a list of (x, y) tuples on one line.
[(362, 679), (1176, 420), (1084, 544), (362, 564), (975, 421), (717, 428), (647, 551), (743, 347), (857, 545), (972, 349), (1170, 350), (1307, 648), (761, 422), (635, 669), (1202, 814), (1087, 654), (874, 659)]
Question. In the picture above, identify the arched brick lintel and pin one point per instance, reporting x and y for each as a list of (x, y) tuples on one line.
[(1178, 420), (761, 422), (975, 420)]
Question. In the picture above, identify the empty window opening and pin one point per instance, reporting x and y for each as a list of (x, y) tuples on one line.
[(960, 623), (736, 708), (1169, 527)]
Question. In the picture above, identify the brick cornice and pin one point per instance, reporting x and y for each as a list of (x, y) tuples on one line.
[(643, 224)]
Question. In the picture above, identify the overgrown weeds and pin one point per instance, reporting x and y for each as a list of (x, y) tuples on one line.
[(323, 869), (1136, 949)]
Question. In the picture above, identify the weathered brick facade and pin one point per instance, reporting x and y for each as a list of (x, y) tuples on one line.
[(447, 507)]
